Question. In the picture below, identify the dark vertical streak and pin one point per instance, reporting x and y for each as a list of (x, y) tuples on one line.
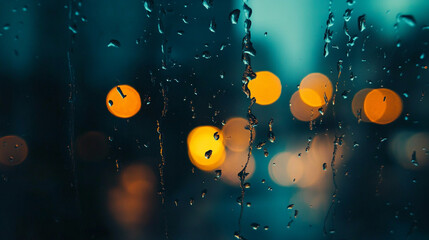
[(71, 112)]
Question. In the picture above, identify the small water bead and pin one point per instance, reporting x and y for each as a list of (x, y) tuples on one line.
[(324, 166), (207, 3), (362, 23), (234, 16), (290, 206), (208, 154), (254, 226), (247, 185), (114, 43), (216, 136)]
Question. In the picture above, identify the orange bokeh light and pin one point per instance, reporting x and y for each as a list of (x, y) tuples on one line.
[(236, 137), (266, 88), (302, 111), (200, 140), (234, 163), (123, 101), (315, 89), (357, 104), (13, 150), (382, 106)]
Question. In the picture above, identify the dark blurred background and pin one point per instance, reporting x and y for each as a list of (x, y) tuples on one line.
[(91, 175)]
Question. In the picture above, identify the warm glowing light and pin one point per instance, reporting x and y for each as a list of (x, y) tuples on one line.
[(131, 201), (315, 89), (123, 101), (13, 150), (236, 137), (266, 88), (302, 111), (357, 104), (92, 146), (138, 179), (234, 163), (382, 106), (286, 169), (200, 141)]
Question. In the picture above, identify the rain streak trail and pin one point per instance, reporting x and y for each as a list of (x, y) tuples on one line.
[(248, 75)]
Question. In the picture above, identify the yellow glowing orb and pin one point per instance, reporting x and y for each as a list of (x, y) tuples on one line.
[(266, 88), (201, 141), (382, 106), (236, 137), (123, 101), (315, 90)]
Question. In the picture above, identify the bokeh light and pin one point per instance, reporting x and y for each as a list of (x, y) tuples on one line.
[(234, 163), (315, 89), (123, 101), (382, 106), (13, 150), (92, 146), (357, 104), (236, 137), (201, 140), (302, 111), (266, 88), (131, 201), (286, 169)]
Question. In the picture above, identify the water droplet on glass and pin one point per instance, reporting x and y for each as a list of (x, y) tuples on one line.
[(254, 226), (414, 159), (208, 154), (234, 15), (203, 193), (114, 43), (290, 206), (324, 166), (362, 23), (408, 19), (266, 152), (212, 27), (208, 3), (216, 136)]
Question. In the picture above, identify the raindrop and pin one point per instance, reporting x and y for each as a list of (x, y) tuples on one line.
[(290, 206), (351, 2), (208, 3), (218, 173), (114, 43), (260, 145), (248, 204), (216, 136), (247, 11), (266, 228), (234, 15), (191, 201), (6, 26), (296, 214), (408, 19), (247, 185), (203, 193), (148, 5), (255, 226), (362, 23), (414, 159), (212, 27), (208, 154), (176, 202), (324, 166), (347, 15), (266, 152)]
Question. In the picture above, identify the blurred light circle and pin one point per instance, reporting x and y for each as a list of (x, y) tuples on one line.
[(358, 104), (234, 163), (382, 106), (13, 150), (266, 88), (286, 169), (138, 179), (419, 143), (236, 136), (92, 146), (131, 201), (314, 88), (302, 111), (123, 101), (201, 140)]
